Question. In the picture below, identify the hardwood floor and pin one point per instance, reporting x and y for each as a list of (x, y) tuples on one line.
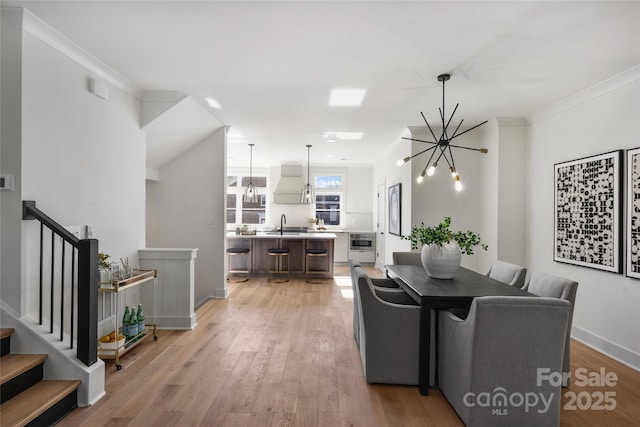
[(284, 355)]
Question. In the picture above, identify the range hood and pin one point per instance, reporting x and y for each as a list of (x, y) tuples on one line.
[(290, 186)]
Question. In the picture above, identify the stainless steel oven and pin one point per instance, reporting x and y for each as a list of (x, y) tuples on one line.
[(361, 241)]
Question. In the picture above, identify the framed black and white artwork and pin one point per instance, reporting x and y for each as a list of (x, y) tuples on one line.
[(588, 213), (395, 204), (633, 213)]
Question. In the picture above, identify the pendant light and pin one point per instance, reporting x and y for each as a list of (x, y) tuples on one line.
[(442, 148), (308, 195), (250, 193)]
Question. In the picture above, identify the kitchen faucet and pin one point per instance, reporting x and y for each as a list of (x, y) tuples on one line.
[(283, 220)]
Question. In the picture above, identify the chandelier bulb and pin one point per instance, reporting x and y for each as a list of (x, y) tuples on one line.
[(403, 161), (421, 177), (432, 169), (457, 184)]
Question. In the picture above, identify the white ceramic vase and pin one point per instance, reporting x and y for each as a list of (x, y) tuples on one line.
[(441, 261)]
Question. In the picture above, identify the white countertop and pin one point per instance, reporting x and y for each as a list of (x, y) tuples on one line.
[(276, 235)]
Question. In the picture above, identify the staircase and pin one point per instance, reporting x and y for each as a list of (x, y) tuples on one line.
[(26, 399)]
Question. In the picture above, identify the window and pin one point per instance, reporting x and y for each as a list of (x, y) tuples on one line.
[(329, 198), (239, 212)]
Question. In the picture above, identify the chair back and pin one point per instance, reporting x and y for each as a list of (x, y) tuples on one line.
[(389, 335), (508, 273), (498, 351), (354, 289), (547, 285), (407, 258)]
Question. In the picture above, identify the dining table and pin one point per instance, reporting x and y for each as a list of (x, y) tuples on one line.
[(438, 294)]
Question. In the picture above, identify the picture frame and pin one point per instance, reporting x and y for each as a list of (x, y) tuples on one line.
[(633, 214), (588, 213), (395, 209)]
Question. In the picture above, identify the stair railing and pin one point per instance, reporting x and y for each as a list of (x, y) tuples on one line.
[(73, 284)]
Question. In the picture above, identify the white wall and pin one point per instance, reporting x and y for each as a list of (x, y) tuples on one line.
[(186, 209), (386, 172), (83, 158), (10, 154), (598, 121)]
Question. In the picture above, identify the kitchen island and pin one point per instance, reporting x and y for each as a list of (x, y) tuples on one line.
[(297, 243)]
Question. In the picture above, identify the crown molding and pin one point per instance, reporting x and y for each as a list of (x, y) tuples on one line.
[(626, 77), (36, 27)]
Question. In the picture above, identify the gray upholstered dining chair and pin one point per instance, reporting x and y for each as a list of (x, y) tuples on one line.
[(496, 353), (388, 284), (407, 258), (508, 273), (389, 335), (547, 285)]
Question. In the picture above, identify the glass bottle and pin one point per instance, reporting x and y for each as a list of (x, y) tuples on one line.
[(140, 316), (125, 322), (133, 323)]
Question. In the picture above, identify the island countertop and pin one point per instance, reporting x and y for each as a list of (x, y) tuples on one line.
[(285, 235)]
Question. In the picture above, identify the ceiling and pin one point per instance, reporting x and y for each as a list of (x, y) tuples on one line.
[(271, 65)]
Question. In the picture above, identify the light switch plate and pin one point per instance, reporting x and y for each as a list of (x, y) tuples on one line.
[(7, 182)]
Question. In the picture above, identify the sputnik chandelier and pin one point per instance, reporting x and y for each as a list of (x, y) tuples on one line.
[(442, 148)]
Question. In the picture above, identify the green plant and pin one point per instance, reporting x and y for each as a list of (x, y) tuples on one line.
[(422, 235), (103, 262)]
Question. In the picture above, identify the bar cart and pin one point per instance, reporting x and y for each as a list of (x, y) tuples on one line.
[(114, 288)]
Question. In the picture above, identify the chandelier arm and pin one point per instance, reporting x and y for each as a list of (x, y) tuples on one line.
[(456, 131), (468, 130), (431, 157), (430, 130), (451, 117), (482, 150), (418, 140), (423, 151), (443, 154), (453, 163)]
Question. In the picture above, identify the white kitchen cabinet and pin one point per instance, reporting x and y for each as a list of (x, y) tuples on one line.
[(341, 250)]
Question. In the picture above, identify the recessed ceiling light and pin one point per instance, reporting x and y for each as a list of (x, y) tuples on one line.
[(346, 97), (333, 136), (212, 103)]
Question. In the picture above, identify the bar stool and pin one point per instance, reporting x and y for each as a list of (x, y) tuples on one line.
[(277, 254), (315, 253), (233, 252)]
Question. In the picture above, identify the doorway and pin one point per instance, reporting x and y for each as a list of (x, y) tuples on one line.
[(380, 226)]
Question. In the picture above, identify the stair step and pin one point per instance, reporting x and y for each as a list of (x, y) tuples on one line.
[(5, 340), (37, 400), (6, 332), (12, 365)]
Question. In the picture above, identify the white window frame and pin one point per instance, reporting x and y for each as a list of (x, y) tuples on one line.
[(339, 191), (238, 190)]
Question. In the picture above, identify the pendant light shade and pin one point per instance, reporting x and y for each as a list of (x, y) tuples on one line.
[(308, 195), (250, 193)]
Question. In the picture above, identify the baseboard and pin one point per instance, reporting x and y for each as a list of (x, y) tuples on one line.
[(176, 322), (615, 351)]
